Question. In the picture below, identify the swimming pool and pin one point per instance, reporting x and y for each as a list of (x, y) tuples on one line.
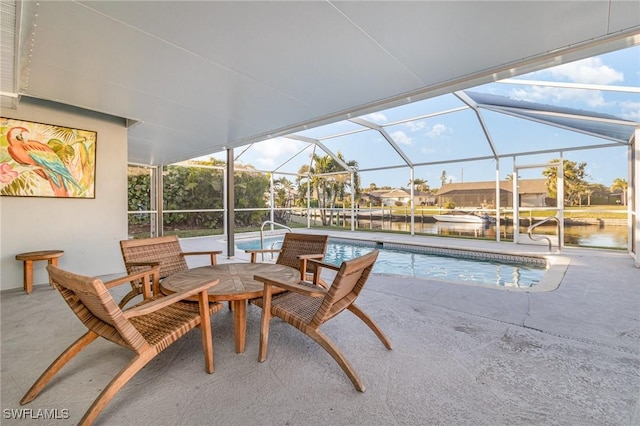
[(487, 269)]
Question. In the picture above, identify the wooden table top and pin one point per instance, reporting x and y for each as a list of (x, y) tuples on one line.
[(40, 255), (236, 279)]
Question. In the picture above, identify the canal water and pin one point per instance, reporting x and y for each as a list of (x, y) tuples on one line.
[(576, 235)]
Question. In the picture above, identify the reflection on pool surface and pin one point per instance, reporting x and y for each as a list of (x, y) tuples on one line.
[(428, 262)]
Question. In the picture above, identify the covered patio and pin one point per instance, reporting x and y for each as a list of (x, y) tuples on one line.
[(461, 355), (165, 82)]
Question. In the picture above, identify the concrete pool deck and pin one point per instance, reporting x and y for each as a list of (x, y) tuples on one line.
[(462, 354)]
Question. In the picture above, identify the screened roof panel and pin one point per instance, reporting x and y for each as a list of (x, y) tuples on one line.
[(415, 109), (535, 117), (330, 130), (282, 154), (452, 136), (368, 148), (512, 135), (557, 115)]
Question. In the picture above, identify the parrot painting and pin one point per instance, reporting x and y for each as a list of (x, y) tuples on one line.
[(45, 161)]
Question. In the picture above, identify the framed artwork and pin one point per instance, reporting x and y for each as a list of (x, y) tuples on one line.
[(44, 160)]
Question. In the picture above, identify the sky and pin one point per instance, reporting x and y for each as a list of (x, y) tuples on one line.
[(458, 135)]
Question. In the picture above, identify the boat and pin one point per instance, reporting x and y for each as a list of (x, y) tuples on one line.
[(463, 217)]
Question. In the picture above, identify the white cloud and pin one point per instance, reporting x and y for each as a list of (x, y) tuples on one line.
[(376, 117), (273, 151), (415, 126), (630, 110), (264, 163), (589, 71), (401, 137), (438, 130), (592, 98), (586, 71), (277, 147)]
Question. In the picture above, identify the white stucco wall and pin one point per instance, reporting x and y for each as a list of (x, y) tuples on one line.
[(88, 230)]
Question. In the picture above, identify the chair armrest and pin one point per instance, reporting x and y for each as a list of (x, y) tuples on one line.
[(254, 253), (165, 301), (195, 253), (211, 253), (149, 263), (298, 288), (304, 263), (311, 256), (153, 271), (325, 264)]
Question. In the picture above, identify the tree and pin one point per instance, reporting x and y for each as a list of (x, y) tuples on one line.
[(198, 188), (283, 189), (329, 181), (620, 185), (575, 182), (420, 185), (444, 177)]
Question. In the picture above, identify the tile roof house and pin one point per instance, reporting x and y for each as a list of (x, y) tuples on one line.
[(532, 193)]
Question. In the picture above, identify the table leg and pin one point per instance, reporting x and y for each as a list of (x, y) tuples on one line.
[(54, 262), (28, 276), (239, 323)]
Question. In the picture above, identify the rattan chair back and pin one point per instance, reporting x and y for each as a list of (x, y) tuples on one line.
[(165, 250), (295, 245)]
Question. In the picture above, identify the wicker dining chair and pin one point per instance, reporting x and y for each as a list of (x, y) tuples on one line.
[(139, 254), (147, 328), (296, 251), (307, 308)]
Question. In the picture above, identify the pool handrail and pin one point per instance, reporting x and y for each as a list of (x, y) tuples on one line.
[(543, 237), (267, 222)]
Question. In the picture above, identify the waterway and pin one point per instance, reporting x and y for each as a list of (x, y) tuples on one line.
[(576, 235)]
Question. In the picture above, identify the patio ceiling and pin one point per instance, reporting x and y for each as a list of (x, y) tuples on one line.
[(194, 78)]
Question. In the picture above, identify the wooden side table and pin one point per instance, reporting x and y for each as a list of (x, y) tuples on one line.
[(28, 258)]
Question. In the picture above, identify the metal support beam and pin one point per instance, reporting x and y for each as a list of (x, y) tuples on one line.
[(157, 195), (633, 202), (230, 210)]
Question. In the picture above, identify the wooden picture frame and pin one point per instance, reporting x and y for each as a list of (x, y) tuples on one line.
[(45, 160)]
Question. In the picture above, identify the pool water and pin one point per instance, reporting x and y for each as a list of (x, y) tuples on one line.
[(407, 262)]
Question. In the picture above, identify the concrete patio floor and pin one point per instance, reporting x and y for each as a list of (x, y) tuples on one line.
[(463, 355)]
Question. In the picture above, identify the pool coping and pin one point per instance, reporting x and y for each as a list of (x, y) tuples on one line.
[(555, 264)]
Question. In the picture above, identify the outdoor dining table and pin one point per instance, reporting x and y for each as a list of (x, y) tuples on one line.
[(236, 286)]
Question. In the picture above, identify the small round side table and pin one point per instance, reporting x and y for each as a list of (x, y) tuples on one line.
[(28, 258)]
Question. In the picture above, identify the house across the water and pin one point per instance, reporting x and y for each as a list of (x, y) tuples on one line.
[(532, 193)]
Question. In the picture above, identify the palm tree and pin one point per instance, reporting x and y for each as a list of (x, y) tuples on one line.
[(326, 185), (574, 180), (420, 185), (620, 185), (283, 189)]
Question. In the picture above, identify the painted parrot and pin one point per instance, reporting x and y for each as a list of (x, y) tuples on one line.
[(46, 162)]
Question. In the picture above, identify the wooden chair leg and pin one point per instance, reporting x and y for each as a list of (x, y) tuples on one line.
[(333, 350), (56, 365), (115, 385), (205, 330), (264, 323), (371, 323)]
